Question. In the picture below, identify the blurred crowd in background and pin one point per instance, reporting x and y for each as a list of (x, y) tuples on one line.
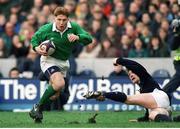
[(127, 28)]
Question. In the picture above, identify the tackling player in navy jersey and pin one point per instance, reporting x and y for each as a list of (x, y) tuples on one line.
[(151, 95)]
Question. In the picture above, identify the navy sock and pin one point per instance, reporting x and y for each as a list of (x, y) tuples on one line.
[(116, 96), (176, 118), (162, 118)]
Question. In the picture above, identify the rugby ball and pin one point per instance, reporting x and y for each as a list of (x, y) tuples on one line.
[(49, 46)]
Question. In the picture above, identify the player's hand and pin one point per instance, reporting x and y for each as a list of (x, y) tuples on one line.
[(114, 62), (41, 50), (73, 37)]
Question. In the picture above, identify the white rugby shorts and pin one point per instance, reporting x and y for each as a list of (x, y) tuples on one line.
[(48, 61), (161, 98)]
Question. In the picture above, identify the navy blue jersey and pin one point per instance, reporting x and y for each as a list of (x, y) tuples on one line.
[(147, 83)]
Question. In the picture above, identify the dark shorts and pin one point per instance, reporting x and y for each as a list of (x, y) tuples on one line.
[(51, 70)]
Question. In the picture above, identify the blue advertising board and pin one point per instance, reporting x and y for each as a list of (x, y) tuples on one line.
[(20, 93), (23, 93)]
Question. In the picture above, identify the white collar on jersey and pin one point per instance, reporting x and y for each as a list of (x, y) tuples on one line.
[(55, 29)]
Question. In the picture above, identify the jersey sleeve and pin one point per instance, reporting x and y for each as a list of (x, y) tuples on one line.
[(38, 37), (132, 65), (84, 37)]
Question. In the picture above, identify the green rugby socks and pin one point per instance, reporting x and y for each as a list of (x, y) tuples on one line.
[(46, 96)]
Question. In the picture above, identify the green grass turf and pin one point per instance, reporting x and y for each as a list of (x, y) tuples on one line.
[(80, 119)]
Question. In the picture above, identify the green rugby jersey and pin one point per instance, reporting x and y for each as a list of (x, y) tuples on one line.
[(60, 39)]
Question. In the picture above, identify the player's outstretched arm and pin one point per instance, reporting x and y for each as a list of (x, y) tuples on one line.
[(130, 64)]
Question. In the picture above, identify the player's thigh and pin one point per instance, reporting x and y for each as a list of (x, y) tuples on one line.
[(55, 76), (154, 112), (146, 100)]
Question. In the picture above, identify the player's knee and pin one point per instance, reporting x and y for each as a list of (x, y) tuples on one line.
[(152, 115), (58, 84), (130, 100)]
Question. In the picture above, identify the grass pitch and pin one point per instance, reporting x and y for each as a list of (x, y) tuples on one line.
[(80, 119)]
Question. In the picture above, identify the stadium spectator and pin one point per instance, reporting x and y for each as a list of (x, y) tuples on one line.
[(15, 8), (14, 73), (124, 46), (130, 30), (42, 20), (26, 32), (46, 12), (107, 49), (81, 22), (152, 9), (156, 48), (96, 30), (120, 21), (164, 25), (146, 20), (113, 21), (135, 10), (5, 6), (82, 11), (25, 37), (96, 11), (145, 36), (38, 4), (164, 10), (91, 50), (138, 50), (29, 64), (118, 72), (18, 48), (65, 34), (13, 18), (174, 10), (106, 6), (138, 28), (156, 22), (151, 95), (163, 36), (118, 6), (32, 21), (132, 19), (110, 34), (71, 6), (7, 37)]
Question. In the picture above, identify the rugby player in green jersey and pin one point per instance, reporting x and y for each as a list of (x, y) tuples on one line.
[(64, 34)]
